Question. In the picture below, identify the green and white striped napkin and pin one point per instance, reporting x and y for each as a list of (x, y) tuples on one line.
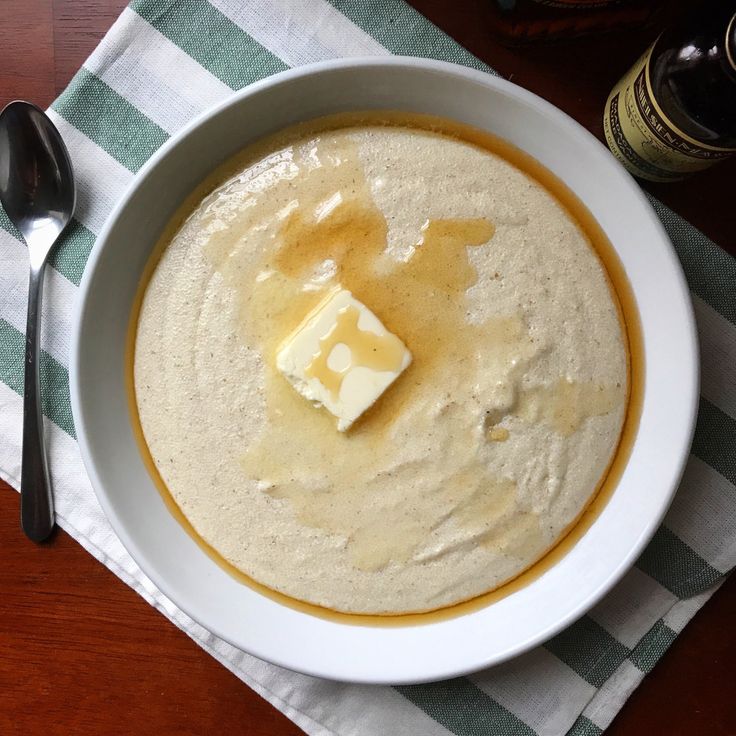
[(162, 63)]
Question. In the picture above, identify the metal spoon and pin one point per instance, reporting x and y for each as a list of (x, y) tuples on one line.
[(38, 195)]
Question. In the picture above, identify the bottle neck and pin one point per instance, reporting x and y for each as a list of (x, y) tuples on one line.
[(730, 45)]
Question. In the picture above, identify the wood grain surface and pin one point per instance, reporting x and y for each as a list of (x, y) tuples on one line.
[(80, 653)]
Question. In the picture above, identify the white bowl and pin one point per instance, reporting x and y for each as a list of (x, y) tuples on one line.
[(333, 649)]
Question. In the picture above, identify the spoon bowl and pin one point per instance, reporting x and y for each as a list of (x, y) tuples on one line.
[(36, 179)]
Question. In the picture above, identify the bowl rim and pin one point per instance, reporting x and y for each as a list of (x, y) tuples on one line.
[(678, 455)]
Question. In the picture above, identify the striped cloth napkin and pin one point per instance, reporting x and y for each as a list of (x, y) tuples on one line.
[(162, 63)]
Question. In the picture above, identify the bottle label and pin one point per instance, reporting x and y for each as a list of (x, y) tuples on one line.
[(642, 137)]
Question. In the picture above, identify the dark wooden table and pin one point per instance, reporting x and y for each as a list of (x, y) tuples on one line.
[(80, 653)]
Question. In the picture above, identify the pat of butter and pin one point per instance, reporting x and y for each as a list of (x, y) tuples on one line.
[(342, 357)]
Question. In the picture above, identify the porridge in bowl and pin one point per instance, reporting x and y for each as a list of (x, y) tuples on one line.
[(378, 366)]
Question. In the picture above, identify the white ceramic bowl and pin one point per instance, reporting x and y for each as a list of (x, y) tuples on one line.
[(295, 639)]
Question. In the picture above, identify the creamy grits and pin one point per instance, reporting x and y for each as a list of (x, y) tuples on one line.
[(474, 461)]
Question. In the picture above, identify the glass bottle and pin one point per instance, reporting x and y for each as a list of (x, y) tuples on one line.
[(674, 112), (517, 22)]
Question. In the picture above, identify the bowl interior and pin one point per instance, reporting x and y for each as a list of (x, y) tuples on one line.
[(292, 638)]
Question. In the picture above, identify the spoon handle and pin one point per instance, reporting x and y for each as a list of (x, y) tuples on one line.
[(36, 501)]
